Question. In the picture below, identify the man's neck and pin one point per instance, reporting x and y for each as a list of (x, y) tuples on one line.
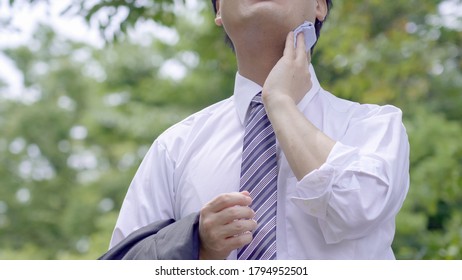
[(256, 60)]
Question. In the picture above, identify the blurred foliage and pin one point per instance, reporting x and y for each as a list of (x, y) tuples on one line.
[(71, 144)]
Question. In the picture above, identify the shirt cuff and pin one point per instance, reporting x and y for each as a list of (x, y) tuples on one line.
[(313, 192)]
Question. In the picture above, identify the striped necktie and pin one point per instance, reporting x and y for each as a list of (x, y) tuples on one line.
[(259, 177)]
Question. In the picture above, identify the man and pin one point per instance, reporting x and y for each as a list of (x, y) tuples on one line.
[(340, 168)]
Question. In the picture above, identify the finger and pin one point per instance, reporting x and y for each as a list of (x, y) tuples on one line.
[(238, 241), (289, 47), (246, 193), (238, 227), (308, 56), (216, 234), (230, 214), (227, 200)]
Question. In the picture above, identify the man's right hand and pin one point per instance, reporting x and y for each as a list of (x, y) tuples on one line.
[(225, 224)]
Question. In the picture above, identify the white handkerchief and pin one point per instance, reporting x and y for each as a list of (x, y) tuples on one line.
[(309, 32)]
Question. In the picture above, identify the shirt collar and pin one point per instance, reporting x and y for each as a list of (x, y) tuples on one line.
[(245, 90)]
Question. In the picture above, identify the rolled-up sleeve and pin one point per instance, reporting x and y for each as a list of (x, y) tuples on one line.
[(364, 180)]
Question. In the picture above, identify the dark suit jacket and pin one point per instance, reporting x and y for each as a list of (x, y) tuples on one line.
[(162, 240)]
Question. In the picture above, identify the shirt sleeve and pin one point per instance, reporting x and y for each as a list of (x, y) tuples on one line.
[(150, 196), (364, 181)]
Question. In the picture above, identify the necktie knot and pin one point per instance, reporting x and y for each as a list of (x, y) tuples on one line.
[(257, 99), (257, 113)]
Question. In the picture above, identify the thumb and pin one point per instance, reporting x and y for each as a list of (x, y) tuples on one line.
[(246, 193)]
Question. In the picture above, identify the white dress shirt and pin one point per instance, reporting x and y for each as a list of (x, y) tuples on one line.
[(344, 210)]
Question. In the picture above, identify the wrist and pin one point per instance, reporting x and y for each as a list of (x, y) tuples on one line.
[(277, 101)]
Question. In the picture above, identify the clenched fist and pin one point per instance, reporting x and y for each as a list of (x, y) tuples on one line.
[(225, 224)]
